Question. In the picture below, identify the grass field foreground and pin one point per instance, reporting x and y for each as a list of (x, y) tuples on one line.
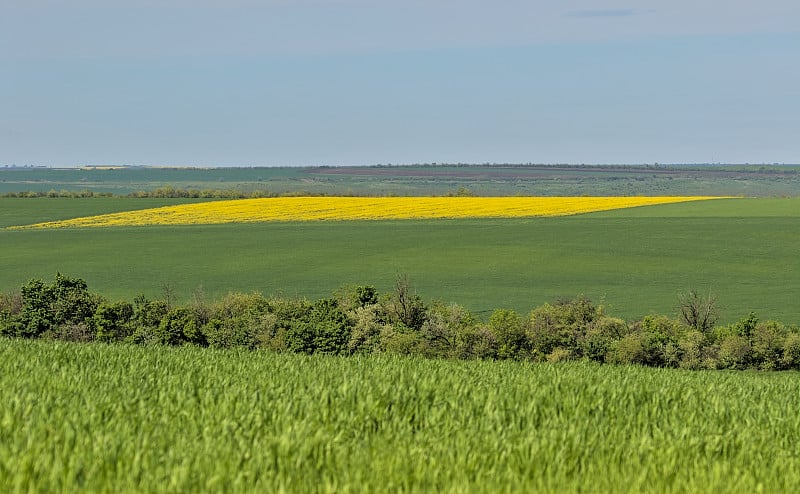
[(96, 418), (360, 208)]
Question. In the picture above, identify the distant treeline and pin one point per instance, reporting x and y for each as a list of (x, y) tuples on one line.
[(179, 193), (357, 320), (159, 192)]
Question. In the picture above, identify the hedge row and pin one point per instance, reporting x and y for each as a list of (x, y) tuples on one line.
[(357, 319)]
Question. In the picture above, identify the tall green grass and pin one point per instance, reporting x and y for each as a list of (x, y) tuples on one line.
[(78, 418)]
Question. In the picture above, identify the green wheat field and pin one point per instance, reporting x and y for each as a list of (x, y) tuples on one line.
[(100, 418)]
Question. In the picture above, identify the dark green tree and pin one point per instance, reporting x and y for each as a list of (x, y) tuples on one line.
[(46, 307)]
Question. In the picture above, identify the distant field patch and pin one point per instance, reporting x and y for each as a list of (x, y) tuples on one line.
[(360, 208)]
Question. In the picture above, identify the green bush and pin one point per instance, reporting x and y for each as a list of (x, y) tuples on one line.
[(659, 336), (746, 326), (240, 320), (178, 326), (352, 297), (331, 327), (560, 355), (45, 307), (476, 342), (323, 329), (365, 335), (402, 341), (630, 349), (147, 314), (690, 346), (791, 351), (767, 341), (442, 328), (357, 321), (560, 326), (598, 339), (512, 340), (735, 352), (112, 321)]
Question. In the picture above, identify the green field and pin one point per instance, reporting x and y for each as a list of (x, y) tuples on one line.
[(100, 418), (16, 211), (421, 180), (635, 261)]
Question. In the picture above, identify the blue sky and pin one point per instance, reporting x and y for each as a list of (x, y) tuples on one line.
[(345, 82)]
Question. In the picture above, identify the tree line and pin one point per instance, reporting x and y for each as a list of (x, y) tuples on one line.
[(357, 319), (167, 191), (170, 192)]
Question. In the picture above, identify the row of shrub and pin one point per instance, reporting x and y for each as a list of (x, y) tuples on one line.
[(159, 192), (170, 192), (357, 319), (57, 193)]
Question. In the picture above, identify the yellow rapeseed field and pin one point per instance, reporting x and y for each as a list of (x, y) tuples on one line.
[(360, 208)]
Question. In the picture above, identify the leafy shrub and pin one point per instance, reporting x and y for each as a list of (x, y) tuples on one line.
[(365, 335), (791, 351), (147, 314), (323, 329), (240, 320), (402, 341), (659, 336), (735, 352), (332, 328), (442, 328), (560, 355), (177, 327), (112, 321), (509, 331), (287, 314), (357, 321), (690, 346), (560, 325), (10, 324), (746, 326), (767, 341), (45, 307), (352, 297), (600, 336), (630, 349), (476, 342)]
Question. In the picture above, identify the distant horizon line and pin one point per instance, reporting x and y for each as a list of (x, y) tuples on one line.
[(385, 165)]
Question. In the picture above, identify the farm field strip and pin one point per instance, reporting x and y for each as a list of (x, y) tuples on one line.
[(361, 208)]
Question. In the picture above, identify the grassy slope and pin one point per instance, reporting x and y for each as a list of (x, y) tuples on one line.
[(93, 418), (637, 261), (15, 211)]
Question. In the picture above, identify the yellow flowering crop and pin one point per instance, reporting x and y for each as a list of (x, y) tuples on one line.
[(360, 208)]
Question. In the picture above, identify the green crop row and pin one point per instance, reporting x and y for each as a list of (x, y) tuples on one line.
[(357, 320), (120, 418)]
